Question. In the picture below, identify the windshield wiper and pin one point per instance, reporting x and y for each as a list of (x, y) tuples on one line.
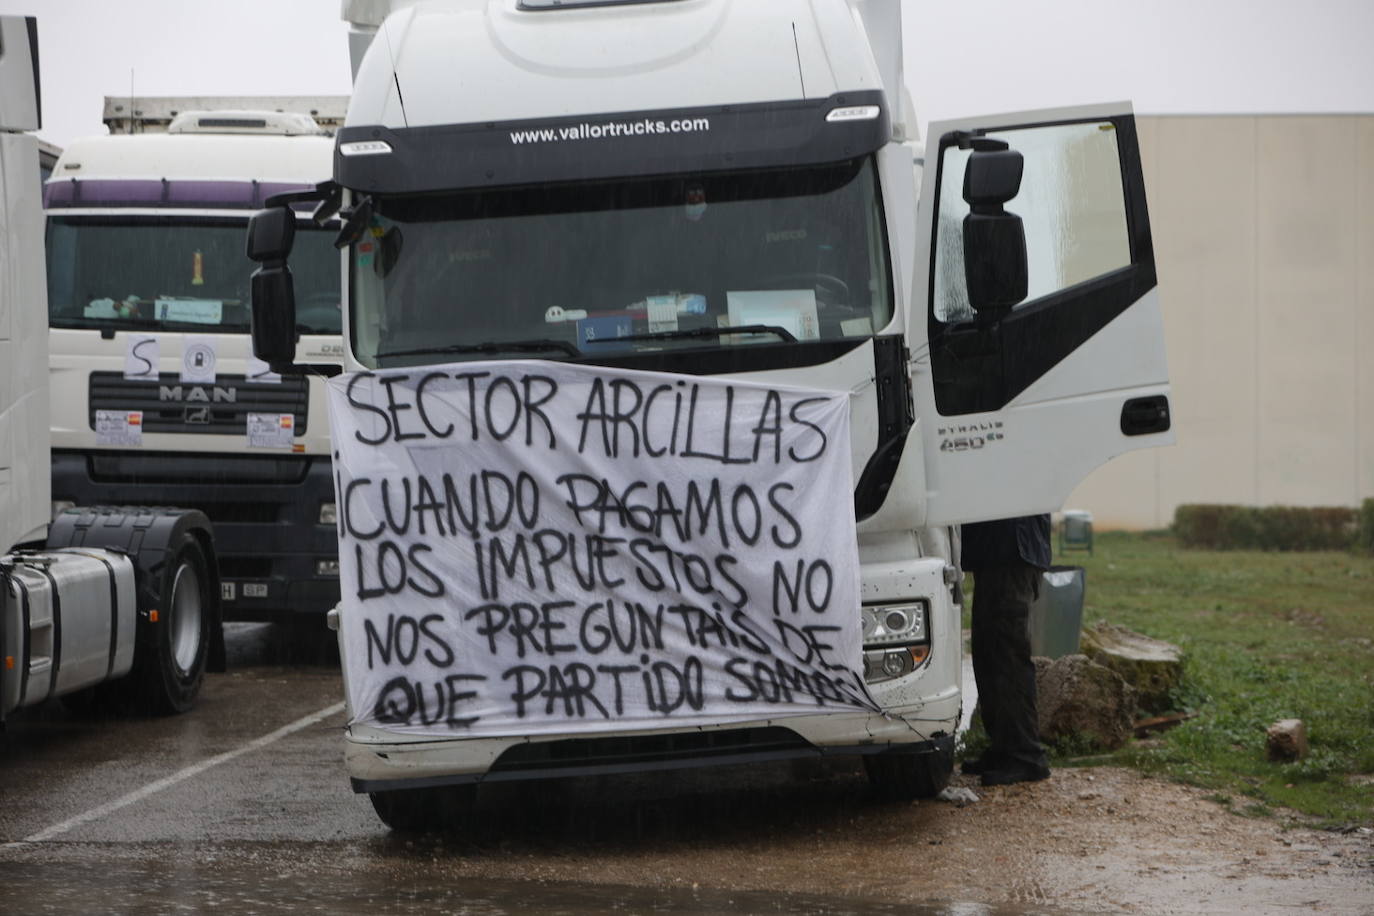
[(111, 325), (490, 346), (711, 333)]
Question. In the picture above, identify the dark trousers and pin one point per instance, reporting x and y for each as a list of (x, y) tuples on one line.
[(1002, 668)]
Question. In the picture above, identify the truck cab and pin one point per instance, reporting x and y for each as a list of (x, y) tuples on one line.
[(95, 604), (736, 191), (156, 395)]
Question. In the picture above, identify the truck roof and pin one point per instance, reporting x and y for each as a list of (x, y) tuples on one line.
[(154, 114), (474, 61), (223, 157)]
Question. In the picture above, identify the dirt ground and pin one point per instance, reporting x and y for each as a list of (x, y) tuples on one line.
[(1086, 840)]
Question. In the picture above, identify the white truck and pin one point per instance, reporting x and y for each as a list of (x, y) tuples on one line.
[(148, 309), (116, 600), (723, 191)]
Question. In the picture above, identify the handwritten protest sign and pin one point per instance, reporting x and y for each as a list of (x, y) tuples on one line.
[(532, 547)]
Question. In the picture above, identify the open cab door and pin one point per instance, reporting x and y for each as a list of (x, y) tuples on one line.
[(1045, 355)]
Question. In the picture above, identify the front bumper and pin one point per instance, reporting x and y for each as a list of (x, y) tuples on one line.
[(377, 762), (265, 512), (920, 715)]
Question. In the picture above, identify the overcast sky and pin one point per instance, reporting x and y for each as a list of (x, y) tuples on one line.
[(963, 57)]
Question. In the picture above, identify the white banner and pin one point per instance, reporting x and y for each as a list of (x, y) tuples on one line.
[(530, 548)]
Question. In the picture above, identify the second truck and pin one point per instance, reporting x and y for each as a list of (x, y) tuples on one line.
[(155, 397)]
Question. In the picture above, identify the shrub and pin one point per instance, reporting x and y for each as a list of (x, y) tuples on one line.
[(1221, 527), (1365, 539)]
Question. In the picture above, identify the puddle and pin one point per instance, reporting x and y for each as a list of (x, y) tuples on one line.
[(162, 887)]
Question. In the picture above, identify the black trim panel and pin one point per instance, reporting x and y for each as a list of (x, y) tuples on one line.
[(761, 135), (25, 639), (31, 23), (56, 632), (896, 414)]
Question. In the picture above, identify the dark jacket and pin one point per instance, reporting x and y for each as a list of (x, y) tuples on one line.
[(1007, 541)]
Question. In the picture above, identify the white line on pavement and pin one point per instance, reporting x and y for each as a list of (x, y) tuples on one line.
[(179, 776)]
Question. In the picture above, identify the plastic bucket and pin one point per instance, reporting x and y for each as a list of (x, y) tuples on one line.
[(1056, 617)]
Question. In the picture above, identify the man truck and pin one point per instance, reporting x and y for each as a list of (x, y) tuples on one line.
[(148, 309), (112, 600), (662, 199)]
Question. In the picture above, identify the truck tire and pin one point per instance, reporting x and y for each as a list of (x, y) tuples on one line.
[(432, 810), (170, 665), (903, 777)]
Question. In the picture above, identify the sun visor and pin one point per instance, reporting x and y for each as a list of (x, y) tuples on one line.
[(621, 145)]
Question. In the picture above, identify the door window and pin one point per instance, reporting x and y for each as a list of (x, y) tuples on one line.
[(1071, 205), (1087, 257)]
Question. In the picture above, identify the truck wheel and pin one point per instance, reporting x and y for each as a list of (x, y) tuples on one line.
[(438, 809), (171, 665), (902, 777)]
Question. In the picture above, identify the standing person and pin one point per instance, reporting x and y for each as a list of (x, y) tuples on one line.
[(1007, 558)]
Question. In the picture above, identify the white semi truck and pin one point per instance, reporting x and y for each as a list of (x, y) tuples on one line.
[(148, 309), (115, 600), (734, 190)]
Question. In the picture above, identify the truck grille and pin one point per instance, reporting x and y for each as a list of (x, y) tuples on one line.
[(172, 406)]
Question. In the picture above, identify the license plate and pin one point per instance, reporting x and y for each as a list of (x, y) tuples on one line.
[(226, 591), (255, 590)]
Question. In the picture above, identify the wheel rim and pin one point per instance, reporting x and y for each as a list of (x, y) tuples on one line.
[(186, 618)]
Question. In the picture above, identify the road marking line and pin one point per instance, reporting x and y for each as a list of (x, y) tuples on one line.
[(179, 776)]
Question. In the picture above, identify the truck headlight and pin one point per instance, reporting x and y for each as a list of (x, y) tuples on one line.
[(329, 514), (895, 624), (896, 639)]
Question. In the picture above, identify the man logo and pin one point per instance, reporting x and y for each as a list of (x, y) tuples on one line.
[(199, 416), (198, 394)]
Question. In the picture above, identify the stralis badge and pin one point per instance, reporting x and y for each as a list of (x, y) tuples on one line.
[(119, 427), (271, 430), (198, 361)]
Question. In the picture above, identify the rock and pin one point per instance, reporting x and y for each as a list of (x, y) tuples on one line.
[(1153, 667), (1081, 700), (957, 795), (1286, 740)]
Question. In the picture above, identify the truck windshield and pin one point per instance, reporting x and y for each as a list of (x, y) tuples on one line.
[(172, 273), (599, 269)]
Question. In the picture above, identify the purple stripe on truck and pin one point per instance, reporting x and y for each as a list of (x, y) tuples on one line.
[(230, 195)]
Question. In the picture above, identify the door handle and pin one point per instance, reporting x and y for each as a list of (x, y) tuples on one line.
[(1142, 416)]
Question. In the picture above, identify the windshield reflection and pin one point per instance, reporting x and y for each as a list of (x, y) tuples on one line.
[(172, 273), (602, 269)]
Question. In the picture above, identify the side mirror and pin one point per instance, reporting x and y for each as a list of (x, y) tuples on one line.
[(994, 240), (271, 233)]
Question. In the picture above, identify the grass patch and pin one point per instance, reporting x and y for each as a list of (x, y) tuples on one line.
[(1266, 636)]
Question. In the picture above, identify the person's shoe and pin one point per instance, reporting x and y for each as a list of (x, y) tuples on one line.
[(976, 766), (1013, 771)]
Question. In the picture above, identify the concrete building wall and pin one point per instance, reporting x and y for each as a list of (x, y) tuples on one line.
[(1264, 238)]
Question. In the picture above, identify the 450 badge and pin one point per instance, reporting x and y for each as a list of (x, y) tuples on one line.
[(971, 437)]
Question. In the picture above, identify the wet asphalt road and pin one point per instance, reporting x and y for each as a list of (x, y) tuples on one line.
[(243, 806)]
